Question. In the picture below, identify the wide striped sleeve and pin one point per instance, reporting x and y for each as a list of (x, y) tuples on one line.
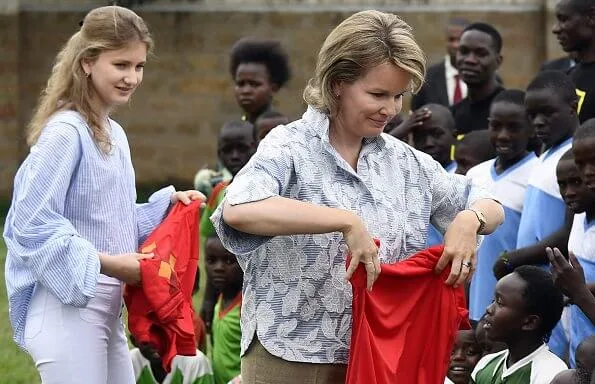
[(150, 214), (37, 234)]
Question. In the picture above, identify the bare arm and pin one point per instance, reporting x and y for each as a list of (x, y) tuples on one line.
[(535, 254), (280, 216)]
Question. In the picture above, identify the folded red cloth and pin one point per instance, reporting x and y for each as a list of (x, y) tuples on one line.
[(403, 330), (160, 310)]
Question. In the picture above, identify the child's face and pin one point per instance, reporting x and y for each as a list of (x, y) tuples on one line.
[(573, 191), (235, 147), (584, 157), (506, 317), (465, 158), (253, 87), (223, 269), (434, 138), (509, 130), (465, 355), (550, 116), (264, 126)]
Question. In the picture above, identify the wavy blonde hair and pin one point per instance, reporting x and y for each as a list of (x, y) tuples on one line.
[(361, 42), (105, 28)]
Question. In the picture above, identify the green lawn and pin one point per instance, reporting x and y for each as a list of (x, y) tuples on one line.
[(16, 366)]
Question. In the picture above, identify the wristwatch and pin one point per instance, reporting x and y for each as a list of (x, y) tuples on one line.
[(480, 217)]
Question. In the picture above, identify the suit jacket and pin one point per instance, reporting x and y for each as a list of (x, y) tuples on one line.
[(434, 89), (561, 64)]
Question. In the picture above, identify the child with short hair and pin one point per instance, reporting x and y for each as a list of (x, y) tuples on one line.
[(435, 136), (526, 308), (582, 235), (235, 147), (266, 122), (259, 68), (585, 365), (471, 149), (148, 367), (226, 276), (465, 355), (506, 177)]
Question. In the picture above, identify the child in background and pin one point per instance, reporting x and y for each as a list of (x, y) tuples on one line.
[(465, 355), (259, 68), (266, 122), (435, 136), (585, 365), (148, 368), (226, 276), (526, 308), (235, 147), (582, 235), (506, 177), (472, 149)]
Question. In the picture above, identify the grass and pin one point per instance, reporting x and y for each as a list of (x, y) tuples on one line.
[(16, 366)]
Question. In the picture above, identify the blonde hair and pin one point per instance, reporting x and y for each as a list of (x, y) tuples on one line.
[(360, 43), (105, 28)]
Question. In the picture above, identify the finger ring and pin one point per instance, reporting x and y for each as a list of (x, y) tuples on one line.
[(369, 262), (467, 264)]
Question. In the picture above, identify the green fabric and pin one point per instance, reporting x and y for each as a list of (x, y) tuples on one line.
[(227, 335), (146, 377), (492, 373), (206, 230)]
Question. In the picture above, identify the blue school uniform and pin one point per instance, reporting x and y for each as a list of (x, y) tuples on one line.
[(435, 237), (509, 188), (582, 244)]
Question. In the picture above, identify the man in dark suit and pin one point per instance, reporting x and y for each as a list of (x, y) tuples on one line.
[(563, 64), (443, 85)]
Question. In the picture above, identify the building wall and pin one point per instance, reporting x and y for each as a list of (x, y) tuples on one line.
[(187, 92)]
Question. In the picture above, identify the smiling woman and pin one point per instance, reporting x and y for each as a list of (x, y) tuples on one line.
[(73, 227), (327, 184)]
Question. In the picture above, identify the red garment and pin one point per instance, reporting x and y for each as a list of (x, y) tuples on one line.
[(200, 330), (160, 310), (404, 330)]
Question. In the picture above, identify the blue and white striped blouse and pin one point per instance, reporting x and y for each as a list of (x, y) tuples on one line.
[(70, 202)]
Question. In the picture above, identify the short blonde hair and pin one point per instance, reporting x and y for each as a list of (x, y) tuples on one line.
[(103, 29), (360, 43)]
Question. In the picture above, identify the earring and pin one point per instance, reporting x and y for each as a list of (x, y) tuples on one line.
[(87, 75)]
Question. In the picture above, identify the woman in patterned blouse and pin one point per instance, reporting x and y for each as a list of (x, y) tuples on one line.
[(328, 184)]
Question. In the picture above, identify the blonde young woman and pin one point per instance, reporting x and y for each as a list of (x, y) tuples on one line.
[(330, 183), (73, 227)]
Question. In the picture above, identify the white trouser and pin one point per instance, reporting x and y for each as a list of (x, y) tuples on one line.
[(79, 345)]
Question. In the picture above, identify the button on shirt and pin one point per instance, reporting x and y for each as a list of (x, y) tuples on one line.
[(295, 297)]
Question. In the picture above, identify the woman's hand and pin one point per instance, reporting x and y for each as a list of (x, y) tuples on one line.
[(363, 249), (187, 196), (124, 267), (460, 248)]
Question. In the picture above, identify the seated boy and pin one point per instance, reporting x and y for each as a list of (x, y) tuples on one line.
[(465, 355), (585, 365), (526, 308), (226, 276), (148, 368)]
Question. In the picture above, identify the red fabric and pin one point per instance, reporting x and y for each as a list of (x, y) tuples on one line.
[(458, 94), (404, 330), (160, 310)]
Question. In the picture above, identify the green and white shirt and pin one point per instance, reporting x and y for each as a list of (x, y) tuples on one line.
[(539, 367), (184, 369)]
